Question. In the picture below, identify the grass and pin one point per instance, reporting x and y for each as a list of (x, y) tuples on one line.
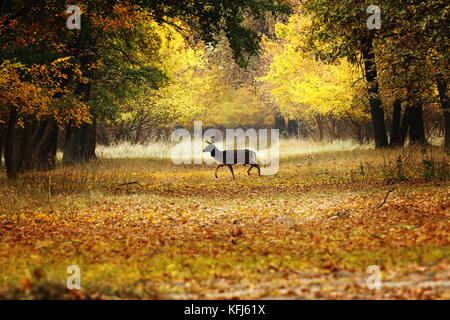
[(310, 231)]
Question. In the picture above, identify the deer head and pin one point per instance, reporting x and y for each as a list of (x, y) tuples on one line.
[(210, 146)]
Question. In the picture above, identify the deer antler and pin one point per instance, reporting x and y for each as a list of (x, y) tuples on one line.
[(211, 140)]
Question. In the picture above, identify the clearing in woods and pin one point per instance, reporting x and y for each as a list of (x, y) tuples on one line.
[(311, 231)]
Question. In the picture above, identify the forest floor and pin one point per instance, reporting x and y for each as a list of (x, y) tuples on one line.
[(311, 231)]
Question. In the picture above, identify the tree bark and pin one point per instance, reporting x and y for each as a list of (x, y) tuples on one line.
[(29, 148), (404, 126), (2, 143), (72, 145), (43, 154), (445, 105), (302, 128), (280, 123), (79, 143), (292, 127), (416, 127), (396, 118), (319, 121), (357, 129), (16, 141), (11, 166), (374, 96), (332, 128), (89, 138), (53, 145), (37, 134)]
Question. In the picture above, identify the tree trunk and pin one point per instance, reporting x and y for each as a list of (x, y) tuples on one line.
[(28, 148), (292, 127), (36, 137), (396, 118), (445, 105), (374, 96), (416, 127), (139, 124), (16, 141), (72, 145), (11, 166), (79, 143), (302, 128), (138, 134), (357, 129), (89, 140), (404, 126), (319, 121), (447, 129), (368, 131), (280, 123), (332, 128), (2, 143), (43, 154), (53, 145)]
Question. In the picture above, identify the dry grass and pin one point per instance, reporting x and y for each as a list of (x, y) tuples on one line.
[(287, 147)]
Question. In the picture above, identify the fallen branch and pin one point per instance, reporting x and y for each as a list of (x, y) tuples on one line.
[(385, 198), (130, 183)]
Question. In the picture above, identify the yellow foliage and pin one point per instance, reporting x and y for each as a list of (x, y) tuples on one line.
[(303, 86), (184, 96), (40, 97)]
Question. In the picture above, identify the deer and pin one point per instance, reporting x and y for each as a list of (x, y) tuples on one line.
[(231, 157)]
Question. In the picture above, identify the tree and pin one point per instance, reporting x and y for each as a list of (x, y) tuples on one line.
[(304, 87), (45, 80), (118, 51), (30, 111), (344, 31), (414, 34), (114, 55)]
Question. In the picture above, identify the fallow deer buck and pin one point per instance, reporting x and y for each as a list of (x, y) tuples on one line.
[(231, 157)]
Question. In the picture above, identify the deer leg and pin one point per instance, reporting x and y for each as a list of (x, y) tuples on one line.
[(258, 167), (219, 166), (254, 165), (231, 169)]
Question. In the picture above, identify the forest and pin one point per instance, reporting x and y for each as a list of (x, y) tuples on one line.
[(92, 92)]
